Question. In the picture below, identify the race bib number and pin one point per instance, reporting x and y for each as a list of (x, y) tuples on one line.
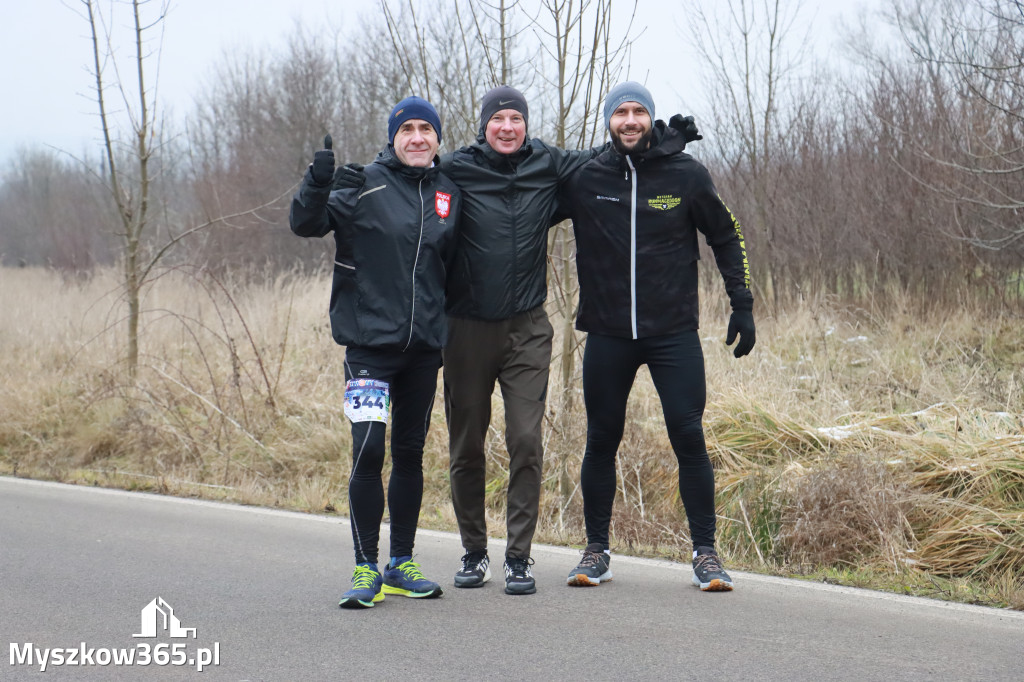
[(367, 400)]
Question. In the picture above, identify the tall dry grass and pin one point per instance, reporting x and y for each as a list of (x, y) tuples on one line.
[(871, 445)]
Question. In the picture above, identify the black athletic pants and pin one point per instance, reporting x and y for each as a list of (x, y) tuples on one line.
[(412, 377), (676, 363)]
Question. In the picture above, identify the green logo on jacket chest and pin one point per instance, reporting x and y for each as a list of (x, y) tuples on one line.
[(663, 202)]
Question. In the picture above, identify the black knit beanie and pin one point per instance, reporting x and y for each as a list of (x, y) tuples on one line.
[(502, 97)]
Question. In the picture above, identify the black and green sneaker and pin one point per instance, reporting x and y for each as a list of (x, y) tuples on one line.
[(594, 568)]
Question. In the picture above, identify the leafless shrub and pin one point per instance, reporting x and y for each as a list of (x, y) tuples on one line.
[(849, 512)]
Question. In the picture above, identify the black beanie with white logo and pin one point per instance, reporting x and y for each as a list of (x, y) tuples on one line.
[(502, 97)]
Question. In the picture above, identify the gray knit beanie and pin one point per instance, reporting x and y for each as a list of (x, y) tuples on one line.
[(627, 91)]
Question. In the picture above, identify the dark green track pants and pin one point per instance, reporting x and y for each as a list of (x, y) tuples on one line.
[(517, 354)]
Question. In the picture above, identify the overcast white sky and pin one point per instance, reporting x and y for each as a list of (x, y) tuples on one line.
[(45, 96)]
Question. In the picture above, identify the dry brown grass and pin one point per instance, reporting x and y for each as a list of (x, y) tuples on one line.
[(872, 446)]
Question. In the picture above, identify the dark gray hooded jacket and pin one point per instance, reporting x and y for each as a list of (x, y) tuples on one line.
[(509, 204)]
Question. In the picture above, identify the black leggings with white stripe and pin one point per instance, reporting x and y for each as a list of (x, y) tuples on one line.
[(412, 376), (676, 363)]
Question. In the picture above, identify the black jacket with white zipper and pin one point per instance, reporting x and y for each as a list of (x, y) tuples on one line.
[(395, 240), (636, 220)]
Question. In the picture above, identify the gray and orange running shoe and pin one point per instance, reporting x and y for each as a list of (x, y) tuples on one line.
[(708, 573)]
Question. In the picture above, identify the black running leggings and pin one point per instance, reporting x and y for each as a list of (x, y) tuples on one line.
[(412, 377), (676, 363)]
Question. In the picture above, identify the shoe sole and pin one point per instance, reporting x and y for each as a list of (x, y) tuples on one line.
[(584, 580), (716, 585), (529, 590), (473, 582), (360, 604), (432, 594)]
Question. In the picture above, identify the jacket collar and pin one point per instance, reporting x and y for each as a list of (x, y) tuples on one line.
[(387, 158), (498, 160), (665, 142)]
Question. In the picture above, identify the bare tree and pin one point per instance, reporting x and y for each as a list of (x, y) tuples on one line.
[(585, 49), (130, 189), (748, 63), (132, 167), (976, 51)]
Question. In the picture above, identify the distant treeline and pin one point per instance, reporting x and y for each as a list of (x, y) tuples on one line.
[(904, 170)]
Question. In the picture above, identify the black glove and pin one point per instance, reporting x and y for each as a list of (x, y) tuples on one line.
[(322, 168), (742, 323), (349, 176), (686, 126)]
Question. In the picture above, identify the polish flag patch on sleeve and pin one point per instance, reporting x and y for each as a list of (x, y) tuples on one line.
[(443, 204)]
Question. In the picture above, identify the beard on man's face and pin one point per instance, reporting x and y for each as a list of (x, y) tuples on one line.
[(641, 144)]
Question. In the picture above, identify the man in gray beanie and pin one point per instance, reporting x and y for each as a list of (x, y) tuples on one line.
[(498, 330), (628, 91), (636, 211)]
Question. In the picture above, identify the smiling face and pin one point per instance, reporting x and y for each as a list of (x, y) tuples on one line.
[(416, 143), (630, 128), (506, 131)]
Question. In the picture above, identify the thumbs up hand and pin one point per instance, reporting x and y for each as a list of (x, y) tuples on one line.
[(322, 169)]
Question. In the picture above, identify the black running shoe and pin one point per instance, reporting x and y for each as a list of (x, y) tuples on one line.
[(475, 571), (518, 578), (708, 573), (593, 569)]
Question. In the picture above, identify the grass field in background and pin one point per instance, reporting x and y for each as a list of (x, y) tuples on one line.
[(870, 445)]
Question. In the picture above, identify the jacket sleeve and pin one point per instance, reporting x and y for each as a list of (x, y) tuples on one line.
[(722, 231), (568, 161), (452, 244), (446, 162), (316, 210)]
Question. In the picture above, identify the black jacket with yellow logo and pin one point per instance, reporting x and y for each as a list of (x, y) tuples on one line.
[(636, 220)]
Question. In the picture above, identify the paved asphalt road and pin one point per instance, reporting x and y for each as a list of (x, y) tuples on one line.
[(78, 565)]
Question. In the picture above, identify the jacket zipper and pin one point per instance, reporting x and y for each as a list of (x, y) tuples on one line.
[(632, 248), (419, 243), (514, 199)]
